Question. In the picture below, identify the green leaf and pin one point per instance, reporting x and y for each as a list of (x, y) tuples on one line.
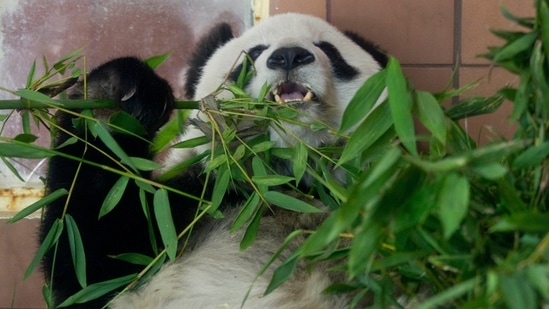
[(134, 258), (363, 101), (532, 156), (431, 115), (288, 202), (221, 186), (96, 290), (51, 238), (27, 151), (111, 143), (526, 221), (246, 212), (39, 204), (448, 295), (517, 294), (77, 250), (282, 273), (513, 48), (30, 77), (37, 97), (165, 223), (126, 123), (251, 231), (26, 138), (145, 164), (299, 162), (155, 61), (453, 202), (193, 142), (271, 180), (114, 196), (369, 131), (491, 171), (367, 239), (216, 162), (401, 106)]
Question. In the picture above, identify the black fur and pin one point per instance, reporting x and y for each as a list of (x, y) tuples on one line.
[(217, 37), (341, 68), (125, 229), (379, 55)]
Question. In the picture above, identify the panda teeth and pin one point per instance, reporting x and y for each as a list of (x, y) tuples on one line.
[(292, 92)]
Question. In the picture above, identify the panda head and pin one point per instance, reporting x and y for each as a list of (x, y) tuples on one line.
[(306, 62)]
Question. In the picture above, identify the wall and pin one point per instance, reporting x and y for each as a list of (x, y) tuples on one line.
[(431, 38)]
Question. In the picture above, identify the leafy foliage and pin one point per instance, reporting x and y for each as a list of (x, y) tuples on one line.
[(458, 225)]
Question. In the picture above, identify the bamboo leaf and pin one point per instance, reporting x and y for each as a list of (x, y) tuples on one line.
[(299, 162), (221, 186), (401, 106), (251, 231), (77, 250), (431, 115), (288, 202), (96, 290), (519, 45), (155, 61), (282, 273), (246, 212), (114, 196), (164, 220), (111, 143), (271, 180), (57, 194), (369, 131), (51, 238), (134, 258), (27, 151), (363, 101), (453, 202), (126, 123), (143, 164)]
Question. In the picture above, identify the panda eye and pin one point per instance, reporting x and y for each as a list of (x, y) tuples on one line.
[(256, 51)]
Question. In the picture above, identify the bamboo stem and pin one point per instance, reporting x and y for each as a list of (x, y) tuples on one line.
[(79, 104)]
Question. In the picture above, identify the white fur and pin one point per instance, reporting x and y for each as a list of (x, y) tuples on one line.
[(286, 30), (214, 273)]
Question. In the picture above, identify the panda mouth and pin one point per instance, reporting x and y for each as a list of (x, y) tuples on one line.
[(290, 92)]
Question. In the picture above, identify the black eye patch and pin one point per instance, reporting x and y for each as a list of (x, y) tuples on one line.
[(340, 67), (253, 53)]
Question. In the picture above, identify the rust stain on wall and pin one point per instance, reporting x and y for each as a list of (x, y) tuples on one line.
[(13, 200)]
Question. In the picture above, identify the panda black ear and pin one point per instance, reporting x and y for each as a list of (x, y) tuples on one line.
[(379, 55), (206, 46)]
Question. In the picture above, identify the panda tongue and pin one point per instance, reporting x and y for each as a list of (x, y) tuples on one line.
[(292, 96)]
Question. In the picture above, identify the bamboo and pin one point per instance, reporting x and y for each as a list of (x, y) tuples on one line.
[(79, 104)]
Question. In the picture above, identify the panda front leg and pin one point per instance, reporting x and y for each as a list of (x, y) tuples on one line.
[(143, 94)]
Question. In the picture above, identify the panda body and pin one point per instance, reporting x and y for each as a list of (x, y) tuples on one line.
[(309, 64)]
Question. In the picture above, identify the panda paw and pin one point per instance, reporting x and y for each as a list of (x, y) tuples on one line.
[(136, 88)]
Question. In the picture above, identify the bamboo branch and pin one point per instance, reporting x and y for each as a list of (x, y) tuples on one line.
[(79, 104)]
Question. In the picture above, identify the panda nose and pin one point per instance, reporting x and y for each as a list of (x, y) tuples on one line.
[(288, 58)]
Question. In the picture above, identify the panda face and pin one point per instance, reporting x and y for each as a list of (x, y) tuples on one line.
[(307, 63)]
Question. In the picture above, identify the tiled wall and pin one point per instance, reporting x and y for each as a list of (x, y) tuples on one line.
[(429, 37)]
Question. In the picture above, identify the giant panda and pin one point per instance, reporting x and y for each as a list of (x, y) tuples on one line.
[(307, 63)]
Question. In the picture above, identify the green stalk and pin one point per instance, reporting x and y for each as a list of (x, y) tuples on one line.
[(79, 104)]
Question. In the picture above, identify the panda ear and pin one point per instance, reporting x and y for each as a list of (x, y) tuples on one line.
[(214, 39), (379, 55)]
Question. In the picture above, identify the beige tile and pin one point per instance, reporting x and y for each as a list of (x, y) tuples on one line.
[(417, 32), (489, 127), (311, 7), (478, 17), (433, 79), (18, 243)]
